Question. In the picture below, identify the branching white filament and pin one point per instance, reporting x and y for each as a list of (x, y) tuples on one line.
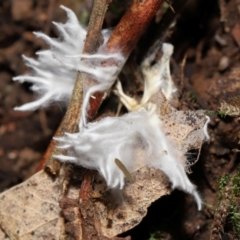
[(137, 139), (54, 72)]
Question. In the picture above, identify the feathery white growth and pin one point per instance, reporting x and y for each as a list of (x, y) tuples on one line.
[(51, 84), (54, 72), (137, 139), (158, 75), (130, 103), (51, 79), (205, 131)]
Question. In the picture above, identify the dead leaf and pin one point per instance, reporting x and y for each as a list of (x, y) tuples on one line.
[(31, 210), (185, 130)]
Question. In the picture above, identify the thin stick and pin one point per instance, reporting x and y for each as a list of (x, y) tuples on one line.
[(71, 118), (126, 35)]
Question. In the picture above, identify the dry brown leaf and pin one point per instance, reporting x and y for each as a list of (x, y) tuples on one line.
[(185, 128), (113, 219), (113, 213), (31, 210)]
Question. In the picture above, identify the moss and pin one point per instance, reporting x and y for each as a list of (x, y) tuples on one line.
[(228, 209), (236, 184), (235, 217), (156, 235), (222, 183)]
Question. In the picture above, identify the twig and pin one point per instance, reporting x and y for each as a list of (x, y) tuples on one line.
[(71, 118), (94, 38), (123, 39), (126, 35), (182, 75)]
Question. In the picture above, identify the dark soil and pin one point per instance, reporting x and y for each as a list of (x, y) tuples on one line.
[(210, 41)]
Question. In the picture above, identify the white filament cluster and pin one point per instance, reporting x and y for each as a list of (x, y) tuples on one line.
[(137, 139), (54, 72)]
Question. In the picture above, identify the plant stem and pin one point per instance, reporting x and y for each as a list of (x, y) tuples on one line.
[(71, 118), (94, 38), (123, 39), (126, 35), (132, 25)]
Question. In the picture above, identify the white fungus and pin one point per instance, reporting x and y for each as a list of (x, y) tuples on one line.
[(137, 138), (54, 72)]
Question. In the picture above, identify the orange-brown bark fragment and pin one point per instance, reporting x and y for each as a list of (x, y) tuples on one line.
[(126, 35)]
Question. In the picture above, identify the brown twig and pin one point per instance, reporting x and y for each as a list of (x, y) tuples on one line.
[(123, 39), (71, 118), (94, 38), (126, 35)]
